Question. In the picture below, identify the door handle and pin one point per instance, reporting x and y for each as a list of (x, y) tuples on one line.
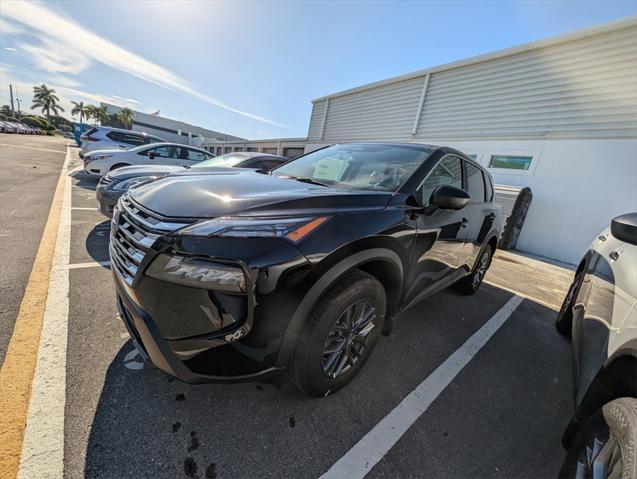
[(614, 255), (491, 216), (465, 222)]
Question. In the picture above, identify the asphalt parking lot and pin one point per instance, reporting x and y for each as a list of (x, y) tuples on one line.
[(501, 416)]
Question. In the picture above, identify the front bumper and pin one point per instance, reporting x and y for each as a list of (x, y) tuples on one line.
[(221, 363)]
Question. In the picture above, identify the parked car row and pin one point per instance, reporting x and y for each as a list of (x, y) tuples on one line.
[(19, 128), (103, 138)]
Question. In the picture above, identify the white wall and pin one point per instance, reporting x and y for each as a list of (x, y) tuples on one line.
[(578, 187)]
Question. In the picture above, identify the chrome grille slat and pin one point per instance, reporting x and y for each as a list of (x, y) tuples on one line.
[(133, 233)]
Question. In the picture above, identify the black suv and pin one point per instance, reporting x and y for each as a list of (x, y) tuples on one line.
[(238, 276)]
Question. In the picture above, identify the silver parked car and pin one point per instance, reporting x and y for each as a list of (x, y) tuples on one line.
[(600, 314), (103, 137)]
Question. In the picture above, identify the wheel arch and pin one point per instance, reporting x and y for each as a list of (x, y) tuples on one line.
[(613, 381), (382, 263)]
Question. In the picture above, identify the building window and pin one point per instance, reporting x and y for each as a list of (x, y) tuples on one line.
[(292, 152), (272, 151), (510, 162), (253, 148)]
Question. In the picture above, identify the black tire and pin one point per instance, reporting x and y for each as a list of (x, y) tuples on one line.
[(564, 319), (471, 283), (310, 367), (607, 440), (118, 165)]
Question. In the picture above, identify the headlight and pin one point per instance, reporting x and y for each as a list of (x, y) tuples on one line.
[(197, 273), (126, 184), (100, 157), (235, 227)]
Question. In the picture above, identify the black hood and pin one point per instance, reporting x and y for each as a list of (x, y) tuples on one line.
[(212, 193)]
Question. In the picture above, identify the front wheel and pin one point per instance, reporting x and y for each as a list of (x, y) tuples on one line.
[(470, 283), (605, 446), (339, 335), (564, 319)]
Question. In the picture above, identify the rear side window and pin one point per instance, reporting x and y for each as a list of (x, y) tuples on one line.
[(447, 172), (127, 138), (90, 131), (475, 183)]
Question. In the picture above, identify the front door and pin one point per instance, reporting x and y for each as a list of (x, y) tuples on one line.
[(440, 233)]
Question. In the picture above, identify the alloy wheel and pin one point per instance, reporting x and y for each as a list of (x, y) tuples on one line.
[(600, 457), (481, 270), (347, 339)]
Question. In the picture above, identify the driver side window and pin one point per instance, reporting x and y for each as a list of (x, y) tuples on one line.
[(447, 172)]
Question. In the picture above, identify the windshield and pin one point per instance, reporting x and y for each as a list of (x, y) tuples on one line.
[(357, 167), (227, 160)]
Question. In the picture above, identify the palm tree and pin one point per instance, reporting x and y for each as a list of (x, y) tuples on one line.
[(79, 108), (101, 114), (126, 117), (45, 99), (89, 111)]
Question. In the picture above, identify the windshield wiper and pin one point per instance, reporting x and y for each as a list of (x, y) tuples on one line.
[(304, 179)]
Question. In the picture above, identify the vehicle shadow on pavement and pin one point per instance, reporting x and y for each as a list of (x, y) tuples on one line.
[(516, 391), (97, 241), (84, 180)]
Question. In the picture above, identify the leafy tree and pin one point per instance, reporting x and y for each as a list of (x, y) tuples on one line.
[(79, 108), (101, 114), (126, 117), (45, 99), (89, 112), (6, 110)]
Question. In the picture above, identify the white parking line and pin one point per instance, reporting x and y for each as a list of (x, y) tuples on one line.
[(43, 446), (32, 148), (90, 264), (85, 209), (365, 454)]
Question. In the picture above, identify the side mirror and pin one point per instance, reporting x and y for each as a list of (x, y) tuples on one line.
[(624, 228), (151, 155), (449, 197)]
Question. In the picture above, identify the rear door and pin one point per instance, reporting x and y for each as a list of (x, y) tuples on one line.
[(440, 233), (161, 155), (481, 213)]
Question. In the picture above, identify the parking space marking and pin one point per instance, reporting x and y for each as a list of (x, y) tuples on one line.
[(32, 148), (90, 264), (43, 448), (365, 454), (21, 360), (84, 208)]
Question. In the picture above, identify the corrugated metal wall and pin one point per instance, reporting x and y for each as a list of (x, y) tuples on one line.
[(386, 112), (581, 88)]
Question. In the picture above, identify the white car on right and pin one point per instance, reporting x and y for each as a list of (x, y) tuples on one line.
[(100, 162), (600, 314)]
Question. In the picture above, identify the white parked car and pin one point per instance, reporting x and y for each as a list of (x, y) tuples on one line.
[(100, 162), (103, 137)]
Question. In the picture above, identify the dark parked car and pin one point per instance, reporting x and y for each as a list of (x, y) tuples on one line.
[(600, 314), (118, 181), (235, 275)]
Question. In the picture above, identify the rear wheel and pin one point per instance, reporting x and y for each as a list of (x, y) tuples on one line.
[(118, 165), (470, 283), (605, 446), (339, 335)]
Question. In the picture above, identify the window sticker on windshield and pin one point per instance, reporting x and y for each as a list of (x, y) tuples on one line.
[(328, 169)]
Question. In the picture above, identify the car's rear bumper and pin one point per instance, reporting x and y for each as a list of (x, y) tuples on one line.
[(227, 361)]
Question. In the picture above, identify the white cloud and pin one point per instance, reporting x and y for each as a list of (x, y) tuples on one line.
[(9, 49), (64, 30), (56, 57)]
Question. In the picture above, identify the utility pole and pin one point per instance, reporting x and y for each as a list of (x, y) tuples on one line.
[(11, 95)]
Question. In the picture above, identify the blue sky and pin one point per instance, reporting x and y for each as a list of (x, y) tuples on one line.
[(251, 69)]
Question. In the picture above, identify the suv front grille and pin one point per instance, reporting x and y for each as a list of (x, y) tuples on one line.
[(105, 181), (133, 231)]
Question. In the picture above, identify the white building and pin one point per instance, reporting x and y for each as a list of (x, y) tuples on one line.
[(171, 130), (558, 115)]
